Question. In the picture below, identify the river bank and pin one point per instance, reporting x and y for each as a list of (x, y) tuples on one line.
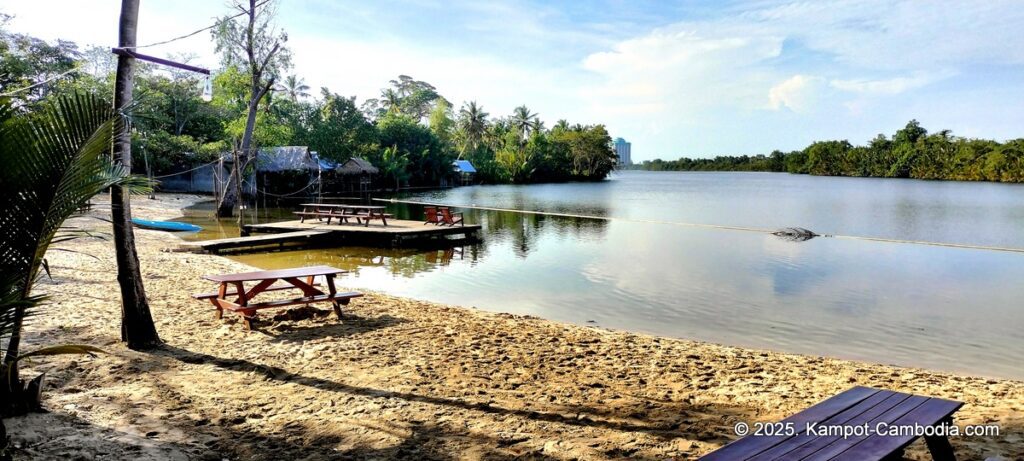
[(407, 379)]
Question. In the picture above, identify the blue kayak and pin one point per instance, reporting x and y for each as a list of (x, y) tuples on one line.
[(166, 225)]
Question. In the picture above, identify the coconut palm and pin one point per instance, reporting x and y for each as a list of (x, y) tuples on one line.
[(295, 88), (473, 122), (394, 165), (522, 119), (54, 162), (390, 100), (536, 125)]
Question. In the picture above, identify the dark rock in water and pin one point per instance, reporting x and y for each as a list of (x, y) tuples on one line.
[(796, 234)]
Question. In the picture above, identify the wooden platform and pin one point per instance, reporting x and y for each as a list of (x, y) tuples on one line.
[(398, 233), (261, 242)]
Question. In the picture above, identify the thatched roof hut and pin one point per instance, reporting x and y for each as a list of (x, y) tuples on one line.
[(356, 166), (289, 158)]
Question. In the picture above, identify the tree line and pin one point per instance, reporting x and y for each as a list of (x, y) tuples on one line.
[(410, 132), (912, 152)]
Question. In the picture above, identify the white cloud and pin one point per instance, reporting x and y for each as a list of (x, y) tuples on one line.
[(799, 93), (889, 86), (679, 69), (805, 57)]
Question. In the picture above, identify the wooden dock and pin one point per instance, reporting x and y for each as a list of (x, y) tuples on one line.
[(258, 243), (290, 234)]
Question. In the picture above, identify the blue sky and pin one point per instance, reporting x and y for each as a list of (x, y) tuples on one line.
[(674, 78)]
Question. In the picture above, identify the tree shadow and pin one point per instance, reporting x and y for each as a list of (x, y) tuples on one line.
[(65, 436), (350, 324), (583, 417)]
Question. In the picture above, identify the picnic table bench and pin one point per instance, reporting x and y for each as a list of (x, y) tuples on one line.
[(300, 278), (800, 437), (362, 213)]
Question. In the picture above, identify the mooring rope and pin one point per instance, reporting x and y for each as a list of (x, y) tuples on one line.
[(712, 226)]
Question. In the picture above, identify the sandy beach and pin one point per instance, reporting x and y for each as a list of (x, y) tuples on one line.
[(406, 379)]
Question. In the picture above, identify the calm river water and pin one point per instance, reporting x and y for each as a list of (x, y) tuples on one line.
[(943, 308)]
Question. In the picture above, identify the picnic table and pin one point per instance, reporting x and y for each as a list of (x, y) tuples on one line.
[(300, 278), (362, 213), (800, 437)]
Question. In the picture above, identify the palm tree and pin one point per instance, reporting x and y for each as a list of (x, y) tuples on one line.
[(54, 162), (390, 100), (395, 165), (473, 121), (522, 119), (536, 126), (295, 88)]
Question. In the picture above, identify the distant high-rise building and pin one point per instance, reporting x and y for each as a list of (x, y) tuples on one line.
[(622, 150)]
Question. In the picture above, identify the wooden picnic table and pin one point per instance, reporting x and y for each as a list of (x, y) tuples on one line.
[(343, 212), (799, 437), (300, 278)]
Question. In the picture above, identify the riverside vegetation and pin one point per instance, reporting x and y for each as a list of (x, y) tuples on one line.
[(411, 131), (910, 153)]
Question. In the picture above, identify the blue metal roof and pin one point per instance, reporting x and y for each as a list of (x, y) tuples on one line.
[(463, 166)]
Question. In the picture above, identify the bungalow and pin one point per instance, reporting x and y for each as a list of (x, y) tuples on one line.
[(356, 175), (290, 170), (464, 172)]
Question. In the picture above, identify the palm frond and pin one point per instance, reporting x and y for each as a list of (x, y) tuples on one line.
[(53, 161), (78, 349)]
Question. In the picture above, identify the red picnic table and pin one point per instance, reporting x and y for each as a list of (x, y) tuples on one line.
[(362, 213), (300, 278)]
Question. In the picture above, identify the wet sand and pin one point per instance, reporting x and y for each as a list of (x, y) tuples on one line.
[(406, 379)]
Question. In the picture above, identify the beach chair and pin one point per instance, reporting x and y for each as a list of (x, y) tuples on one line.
[(431, 214), (448, 218)]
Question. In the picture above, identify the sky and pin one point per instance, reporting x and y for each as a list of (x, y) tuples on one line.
[(684, 78)]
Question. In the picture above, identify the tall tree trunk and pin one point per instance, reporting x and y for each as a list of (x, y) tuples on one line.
[(233, 186), (229, 196), (137, 328)]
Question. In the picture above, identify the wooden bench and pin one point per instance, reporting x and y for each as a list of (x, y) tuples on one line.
[(363, 213), (301, 278), (322, 214), (800, 437)]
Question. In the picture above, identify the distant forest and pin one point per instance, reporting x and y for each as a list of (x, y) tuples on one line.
[(910, 153)]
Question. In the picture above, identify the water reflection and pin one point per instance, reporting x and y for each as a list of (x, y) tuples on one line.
[(941, 308), (522, 230)]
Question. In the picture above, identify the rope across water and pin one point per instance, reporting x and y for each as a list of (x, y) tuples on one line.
[(712, 226)]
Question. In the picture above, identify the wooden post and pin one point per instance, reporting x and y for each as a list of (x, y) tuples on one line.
[(332, 291), (137, 328)]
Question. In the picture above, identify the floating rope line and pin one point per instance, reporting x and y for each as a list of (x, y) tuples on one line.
[(714, 226), (967, 246)]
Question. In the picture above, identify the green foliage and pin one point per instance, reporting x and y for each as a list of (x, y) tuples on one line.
[(337, 129), (911, 153), (26, 61), (827, 158), (441, 122), (269, 130), (429, 161), (406, 96), (55, 160), (394, 165)]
